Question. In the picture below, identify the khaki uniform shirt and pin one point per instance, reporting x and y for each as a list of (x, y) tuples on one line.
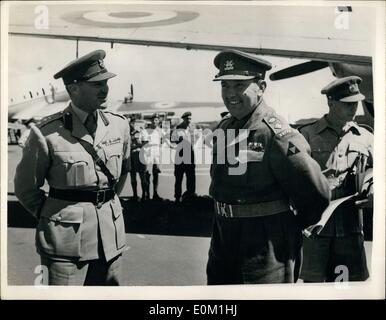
[(278, 166), (337, 156), (53, 154)]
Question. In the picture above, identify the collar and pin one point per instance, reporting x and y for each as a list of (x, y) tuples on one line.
[(262, 110), (323, 123), (352, 126), (81, 114), (79, 130)]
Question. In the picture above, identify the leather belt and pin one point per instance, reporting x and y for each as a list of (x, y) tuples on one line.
[(249, 210), (97, 197)]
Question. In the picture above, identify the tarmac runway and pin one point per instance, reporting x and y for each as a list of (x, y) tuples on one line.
[(155, 260)]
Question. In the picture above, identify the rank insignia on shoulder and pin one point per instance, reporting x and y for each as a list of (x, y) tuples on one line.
[(275, 124), (292, 149), (48, 119)]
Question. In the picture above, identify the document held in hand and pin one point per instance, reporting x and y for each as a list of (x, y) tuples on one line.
[(317, 228)]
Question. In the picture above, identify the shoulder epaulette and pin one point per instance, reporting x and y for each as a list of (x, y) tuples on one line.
[(115, 114), (49, 119), (278, 127), (275, 124), (303, 125)]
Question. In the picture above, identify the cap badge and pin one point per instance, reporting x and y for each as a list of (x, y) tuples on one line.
[(353, 88), (229, 65), (101, 64)]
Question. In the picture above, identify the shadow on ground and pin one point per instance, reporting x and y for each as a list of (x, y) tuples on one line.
[(189, 218)]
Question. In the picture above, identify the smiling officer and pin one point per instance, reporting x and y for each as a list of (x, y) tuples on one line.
[(344, 151), (256, 236), (83, 155)]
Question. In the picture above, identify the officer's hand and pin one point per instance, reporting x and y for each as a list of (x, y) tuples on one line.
[(368, 202)]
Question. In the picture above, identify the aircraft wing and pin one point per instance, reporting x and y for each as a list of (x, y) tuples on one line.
[(160, 106), (16, 126), (323, 33)]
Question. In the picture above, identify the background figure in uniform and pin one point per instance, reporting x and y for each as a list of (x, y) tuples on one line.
[(184, 163), (83, 154), (344, 150), (138, 162), (153, 151), (260, 166)]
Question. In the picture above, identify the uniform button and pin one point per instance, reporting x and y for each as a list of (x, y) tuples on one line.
[(340, 155), (59, 218)]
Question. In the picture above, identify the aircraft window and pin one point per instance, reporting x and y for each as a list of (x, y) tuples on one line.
[(44, 93), (24, 97), (30, 93), (37, 93)]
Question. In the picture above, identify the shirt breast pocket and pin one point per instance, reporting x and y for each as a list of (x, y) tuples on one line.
[(71, 169), (250, 156), (321, 154), (114, 154), (358, 148)]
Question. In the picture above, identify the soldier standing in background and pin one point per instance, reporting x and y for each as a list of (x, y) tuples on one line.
[(344, 150), (185, 163), (153, 151), (139, 139)]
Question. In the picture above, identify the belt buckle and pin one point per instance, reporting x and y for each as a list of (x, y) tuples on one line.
[(100, 201), (223, 210)]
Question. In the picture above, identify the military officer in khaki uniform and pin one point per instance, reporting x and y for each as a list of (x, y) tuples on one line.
[(153, 152), (139, 139), (344, 150), (261, 169), (83, 155), (184, 162)]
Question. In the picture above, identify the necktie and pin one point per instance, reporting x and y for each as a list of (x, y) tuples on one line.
[(91, 124)]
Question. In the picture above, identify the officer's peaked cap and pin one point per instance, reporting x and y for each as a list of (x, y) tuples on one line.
[(89, 67), (344, 89), (186, 114), (238, 65)]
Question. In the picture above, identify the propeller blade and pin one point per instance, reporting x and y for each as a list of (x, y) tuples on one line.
[(132, 90), (298, 70)]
